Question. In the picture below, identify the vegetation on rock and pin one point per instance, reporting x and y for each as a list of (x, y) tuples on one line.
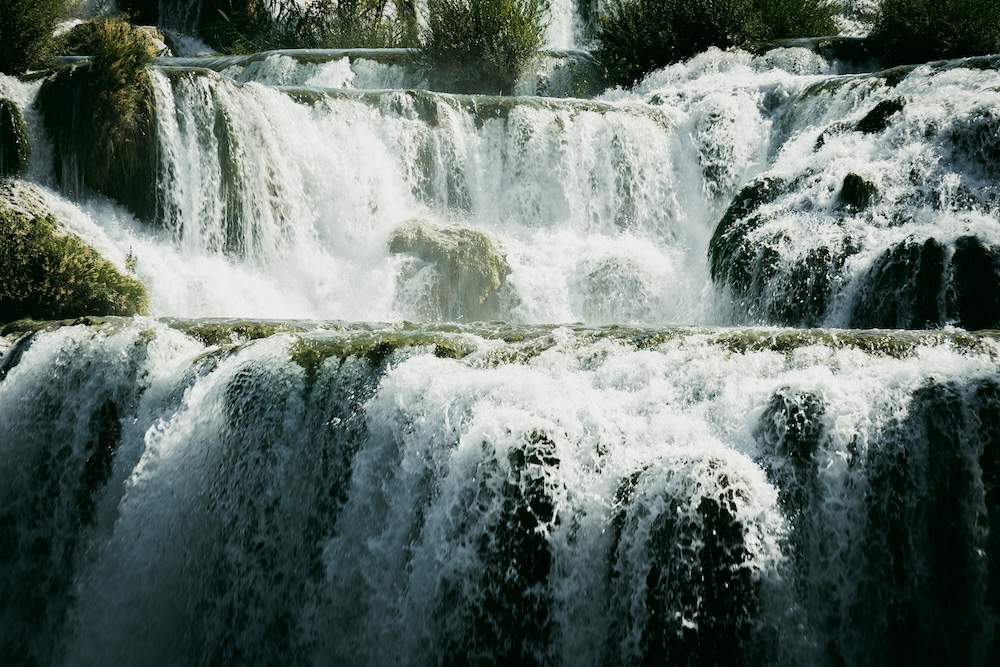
[(916, 31), (638, 36), (26, 28), (471, 272), (46, 273), (15, 151), (100, 114), (482, 46)]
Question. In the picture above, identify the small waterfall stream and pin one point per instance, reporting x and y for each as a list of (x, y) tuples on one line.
[(692, 374)]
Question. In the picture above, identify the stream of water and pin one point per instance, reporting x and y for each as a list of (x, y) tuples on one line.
[(622, 404)]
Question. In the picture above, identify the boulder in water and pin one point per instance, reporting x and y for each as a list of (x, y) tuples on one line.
[(49, 273), (470, 271), (857, 193)]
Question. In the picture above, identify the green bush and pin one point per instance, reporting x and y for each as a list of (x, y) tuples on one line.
[(243, 26), (916, 31), (45, 275), (637, 36), (476, 46), (26, 28), (100, 114)]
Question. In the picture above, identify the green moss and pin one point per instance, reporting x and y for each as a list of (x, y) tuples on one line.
[(100, 115), (15, 150), (45, 274), (227, 332), (471, 270)]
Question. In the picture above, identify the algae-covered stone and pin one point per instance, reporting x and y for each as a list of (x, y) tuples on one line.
[(15, 151), (857, 193), (470, 271), (49, 273)]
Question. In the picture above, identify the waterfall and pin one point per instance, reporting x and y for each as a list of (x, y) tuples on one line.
[(554, 495), (703, 372)]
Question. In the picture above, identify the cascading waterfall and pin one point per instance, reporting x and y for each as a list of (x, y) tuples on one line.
[(628, 465)]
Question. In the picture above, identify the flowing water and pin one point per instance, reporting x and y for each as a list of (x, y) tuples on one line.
[(630, 465)]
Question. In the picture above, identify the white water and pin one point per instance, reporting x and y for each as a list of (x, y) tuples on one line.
[(230, 492)]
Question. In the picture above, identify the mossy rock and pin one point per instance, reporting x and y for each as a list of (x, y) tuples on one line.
[(736, 223), (471, 271), (100, 115), (15, 150), (47, 273), (974, 291)]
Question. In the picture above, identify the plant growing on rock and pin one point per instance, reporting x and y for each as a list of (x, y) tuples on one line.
[(48, 274), (482, 46), (100, 114), (915, 31), (15, 151), (637, 36)]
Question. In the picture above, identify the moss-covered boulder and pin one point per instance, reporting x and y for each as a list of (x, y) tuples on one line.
[(468, 273), (49, 273), (100, 115), (15, 151)]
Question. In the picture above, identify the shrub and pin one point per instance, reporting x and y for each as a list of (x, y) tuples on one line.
[(637, 36), (26, 28), (256, 25), (100, 114), (481, 45), (48, 275), (915, 31)]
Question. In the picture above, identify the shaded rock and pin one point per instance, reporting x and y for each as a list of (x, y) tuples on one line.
[(48, 273), (468, 270), (902, 289), (15, 150), (975, 284), (725, 250), (878, 118), (100, 115), (857, 193)]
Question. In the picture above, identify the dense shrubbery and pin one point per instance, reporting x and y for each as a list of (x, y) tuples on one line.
[(100, 114), (26, 28), (479, 46), (638, 36), (915, 31), (255, 25)]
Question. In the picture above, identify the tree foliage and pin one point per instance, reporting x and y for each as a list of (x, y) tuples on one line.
[(638, 36), (26, 28), (482, 45), (916, 31)]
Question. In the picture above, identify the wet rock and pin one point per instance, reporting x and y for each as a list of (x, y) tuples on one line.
[(470, 271), (902, 288), (975, 286), (857, 193), (15, 149), (878, 118)]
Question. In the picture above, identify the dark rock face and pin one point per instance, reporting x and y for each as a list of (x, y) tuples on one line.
[(923, 285), (931, 552), (857, 193), (878, 118), (902, 289), (974, 292), (15, 150), (698, 598)]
